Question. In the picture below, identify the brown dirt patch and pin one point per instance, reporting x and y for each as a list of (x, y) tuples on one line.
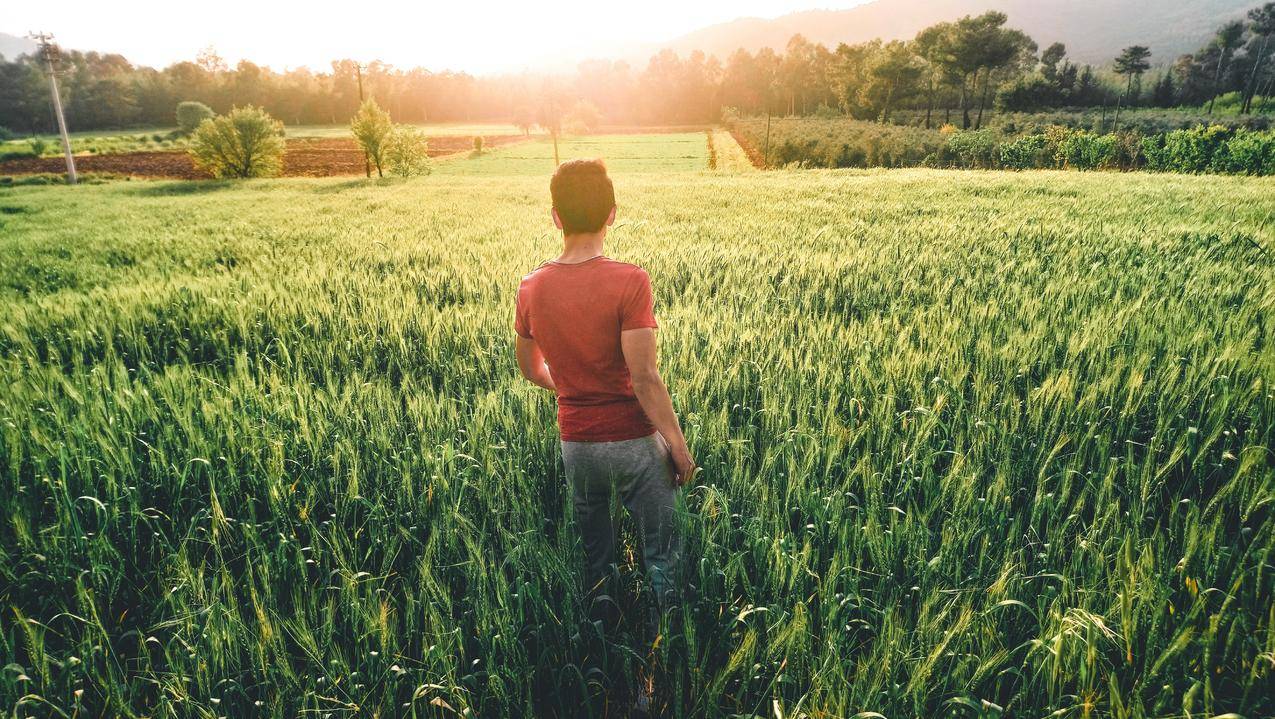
[(303, 157)]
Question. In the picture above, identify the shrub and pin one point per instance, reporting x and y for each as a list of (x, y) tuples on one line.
[(828, 112), (1246, 153), (17, 153), (478, 144), (190, 115), (1127, 150), (1084, 150), (39, 146), (1192, 150), (245, 142), (1026, 153), (5, 134), (372, 127), (407, 152), (973, 148)]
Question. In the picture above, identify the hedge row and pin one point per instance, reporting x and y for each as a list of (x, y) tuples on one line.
[(851, 143)]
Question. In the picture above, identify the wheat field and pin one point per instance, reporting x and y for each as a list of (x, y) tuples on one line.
[(973, 444)]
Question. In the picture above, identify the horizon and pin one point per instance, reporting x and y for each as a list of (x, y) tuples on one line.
[(319, 32)]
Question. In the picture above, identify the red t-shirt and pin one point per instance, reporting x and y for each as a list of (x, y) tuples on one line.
[(575, 313)]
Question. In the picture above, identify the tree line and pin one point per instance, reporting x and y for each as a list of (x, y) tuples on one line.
[(950, 73)]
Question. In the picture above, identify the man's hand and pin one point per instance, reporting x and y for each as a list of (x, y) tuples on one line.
[(531, 361), (683, 465)]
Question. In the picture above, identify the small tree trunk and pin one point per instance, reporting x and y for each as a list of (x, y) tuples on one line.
[(987, 84), (1115, 125), (965, 103), (1217, 78), (889, 95), (1251, 87), (929, 103)]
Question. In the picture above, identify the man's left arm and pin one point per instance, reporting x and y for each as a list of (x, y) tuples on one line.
[(531, 362)]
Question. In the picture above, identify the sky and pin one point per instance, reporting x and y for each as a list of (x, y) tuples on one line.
[(479, 37)]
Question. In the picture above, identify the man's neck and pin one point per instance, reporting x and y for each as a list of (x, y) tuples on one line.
[(581, 247)]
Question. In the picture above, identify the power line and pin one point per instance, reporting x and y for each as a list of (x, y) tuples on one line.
[(49, 51)]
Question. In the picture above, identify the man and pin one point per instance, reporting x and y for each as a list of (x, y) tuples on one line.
[(586, 331)]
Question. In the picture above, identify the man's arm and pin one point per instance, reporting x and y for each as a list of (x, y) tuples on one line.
[(641, 355), (531, 361)]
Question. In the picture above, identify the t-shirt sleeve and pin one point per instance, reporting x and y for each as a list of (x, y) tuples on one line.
[(638, 310), (522, 322)]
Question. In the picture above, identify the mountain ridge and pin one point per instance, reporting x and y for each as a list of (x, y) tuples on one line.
[(12, 46), (1094, 30)]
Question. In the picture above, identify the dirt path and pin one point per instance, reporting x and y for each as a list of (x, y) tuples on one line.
[(303, 157)]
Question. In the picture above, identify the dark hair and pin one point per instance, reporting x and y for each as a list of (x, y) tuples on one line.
[(582, 194)]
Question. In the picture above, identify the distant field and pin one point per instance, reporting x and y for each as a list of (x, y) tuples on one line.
[(975, 445), (326, 152), (161, 138), (440, 129), (658, 152)]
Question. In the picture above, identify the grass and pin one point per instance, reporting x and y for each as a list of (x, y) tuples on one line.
[(666, 152), (974, 444)]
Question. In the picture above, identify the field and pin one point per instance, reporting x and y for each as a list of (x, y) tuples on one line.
[(974, 444), (664, 153), (325, 155)]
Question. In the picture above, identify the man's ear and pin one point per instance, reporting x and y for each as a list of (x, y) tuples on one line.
[(611, 217), (557, 221)]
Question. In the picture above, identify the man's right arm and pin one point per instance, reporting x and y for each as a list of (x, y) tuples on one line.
[(641, 355)]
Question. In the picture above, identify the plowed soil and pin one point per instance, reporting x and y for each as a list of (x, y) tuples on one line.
[(303, 157)]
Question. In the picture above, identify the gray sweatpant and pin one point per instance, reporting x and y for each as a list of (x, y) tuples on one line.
[(639, 471)]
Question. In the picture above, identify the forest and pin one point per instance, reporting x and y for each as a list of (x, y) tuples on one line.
[(956, 72)]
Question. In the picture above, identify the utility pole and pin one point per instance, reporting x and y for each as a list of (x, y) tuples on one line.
[(49, 51), (367, 161)]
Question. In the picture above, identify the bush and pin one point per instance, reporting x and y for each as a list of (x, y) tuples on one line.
[(17, 153), (39, 146), (478, 144), (372, 128), (190, 115), (5, 134), (245, 142), (973, 148), (1026, 153), (1246, 153), (1084, 150), (407, 152), (1192, 150)]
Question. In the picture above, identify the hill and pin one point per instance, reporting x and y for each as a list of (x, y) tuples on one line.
[(1094, 30), (12, 46)]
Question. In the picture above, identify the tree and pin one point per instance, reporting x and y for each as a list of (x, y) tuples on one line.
[(245, 142), (1132, 62), (1228, 38), (892, 78), (1164, 94), (550, 114), (372, 127), (524, 118), (582, 118), (977, 47), (190, 114), (1263, 26), (407, 152), (932, 46), (1049, 60)]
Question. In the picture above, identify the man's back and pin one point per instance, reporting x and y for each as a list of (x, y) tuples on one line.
[(575, 313)]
